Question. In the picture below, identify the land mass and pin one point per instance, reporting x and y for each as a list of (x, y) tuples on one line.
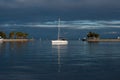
[(103, 40), (17, 40)]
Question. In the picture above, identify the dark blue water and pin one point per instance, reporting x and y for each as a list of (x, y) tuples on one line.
[(39, 60)]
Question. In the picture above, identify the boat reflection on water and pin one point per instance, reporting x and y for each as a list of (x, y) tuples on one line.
[(60, 50)]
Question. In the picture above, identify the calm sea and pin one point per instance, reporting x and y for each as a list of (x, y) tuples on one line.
[(39, 60)]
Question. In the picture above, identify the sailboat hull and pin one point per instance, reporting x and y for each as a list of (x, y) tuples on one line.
[(59, 42)]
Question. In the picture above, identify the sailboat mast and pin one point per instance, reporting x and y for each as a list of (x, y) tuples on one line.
[(58, 28)]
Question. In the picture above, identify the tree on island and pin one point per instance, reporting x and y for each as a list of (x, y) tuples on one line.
[(12, 35), (21, 35), (2, 35), (92, 35), (25, 35)]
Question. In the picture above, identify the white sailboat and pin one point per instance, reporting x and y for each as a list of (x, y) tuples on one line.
[(59, 41)]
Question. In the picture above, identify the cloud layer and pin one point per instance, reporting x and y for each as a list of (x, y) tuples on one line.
[(81, 24), (71, 9), (59, 3)]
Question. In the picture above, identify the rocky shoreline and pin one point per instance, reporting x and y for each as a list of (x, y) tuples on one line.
[(103, 40), (17, 40)]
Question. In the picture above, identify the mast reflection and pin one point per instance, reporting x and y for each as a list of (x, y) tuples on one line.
[(61, 50)]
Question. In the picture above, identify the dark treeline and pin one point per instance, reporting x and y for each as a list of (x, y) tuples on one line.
[(92, 35), (13, 35)]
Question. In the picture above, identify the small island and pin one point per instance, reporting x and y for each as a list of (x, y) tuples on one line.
[(94, 37), (14, 37)]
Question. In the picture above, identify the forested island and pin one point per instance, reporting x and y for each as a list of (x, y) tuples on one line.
[(94, 37), (14, 36)]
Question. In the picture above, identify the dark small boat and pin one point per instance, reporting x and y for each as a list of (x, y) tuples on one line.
[(84, 39)]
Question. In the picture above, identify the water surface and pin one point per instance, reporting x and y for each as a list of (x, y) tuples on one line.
[(78, 60)]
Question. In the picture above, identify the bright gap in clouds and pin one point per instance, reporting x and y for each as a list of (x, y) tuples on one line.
[(81, 24)]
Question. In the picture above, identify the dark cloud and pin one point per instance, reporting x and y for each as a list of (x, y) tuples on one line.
[(58, 3), (80, 9)]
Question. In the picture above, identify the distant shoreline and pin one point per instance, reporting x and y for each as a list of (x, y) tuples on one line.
[(17, 40), (103, 40)]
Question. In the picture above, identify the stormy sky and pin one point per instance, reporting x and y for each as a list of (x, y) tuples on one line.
[(67, 9)]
